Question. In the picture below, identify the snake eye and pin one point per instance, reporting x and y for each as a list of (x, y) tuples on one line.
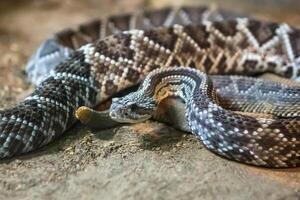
[(134, 107), (140, 110)]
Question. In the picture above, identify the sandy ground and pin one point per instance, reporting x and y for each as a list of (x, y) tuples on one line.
[(142, 161)]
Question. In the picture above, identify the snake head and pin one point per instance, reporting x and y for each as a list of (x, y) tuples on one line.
[(132, 108)]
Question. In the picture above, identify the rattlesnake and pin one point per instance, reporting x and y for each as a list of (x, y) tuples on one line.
[(214, 42)]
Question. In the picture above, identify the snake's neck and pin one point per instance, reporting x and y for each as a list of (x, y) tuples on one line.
[(181, 83)]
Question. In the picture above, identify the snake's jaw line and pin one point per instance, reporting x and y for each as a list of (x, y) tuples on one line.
[(123, 115)]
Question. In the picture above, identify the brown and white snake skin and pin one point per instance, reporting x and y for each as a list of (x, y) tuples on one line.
[(99, 70)]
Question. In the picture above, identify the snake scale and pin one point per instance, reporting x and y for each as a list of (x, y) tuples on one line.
[(121, 51)]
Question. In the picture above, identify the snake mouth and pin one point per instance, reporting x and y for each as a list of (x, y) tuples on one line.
[(128, 118)]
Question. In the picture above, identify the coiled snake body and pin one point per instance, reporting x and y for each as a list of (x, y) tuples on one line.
[(97, 71)]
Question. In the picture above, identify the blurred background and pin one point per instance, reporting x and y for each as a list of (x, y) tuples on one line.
[(24, 24)]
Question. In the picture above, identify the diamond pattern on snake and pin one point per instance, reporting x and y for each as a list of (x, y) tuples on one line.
[(198, 55)]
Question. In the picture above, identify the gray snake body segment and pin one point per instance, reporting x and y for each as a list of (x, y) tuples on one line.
[(48, 111), (256, 140), (99, 70)]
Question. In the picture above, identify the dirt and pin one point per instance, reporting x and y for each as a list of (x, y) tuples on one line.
[(142, 161)]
